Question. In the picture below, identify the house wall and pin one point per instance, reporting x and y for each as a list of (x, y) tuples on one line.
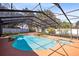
[(67, 31), (38, 29), (14, 30)]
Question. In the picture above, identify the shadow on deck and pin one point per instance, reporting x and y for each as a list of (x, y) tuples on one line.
[(7, 50)]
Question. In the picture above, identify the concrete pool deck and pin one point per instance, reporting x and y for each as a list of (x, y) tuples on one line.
[(59, 50)]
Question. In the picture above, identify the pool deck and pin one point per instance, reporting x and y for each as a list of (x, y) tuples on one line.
[(59, 50)]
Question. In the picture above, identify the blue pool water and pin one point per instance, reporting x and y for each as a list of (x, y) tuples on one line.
[(24, 43), (32, 43), (65, 42)]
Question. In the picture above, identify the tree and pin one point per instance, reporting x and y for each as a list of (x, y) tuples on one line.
[(77, 24), (47, 19), (65, 24)]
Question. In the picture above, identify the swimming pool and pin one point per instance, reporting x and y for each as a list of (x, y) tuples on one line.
[(24, 43)]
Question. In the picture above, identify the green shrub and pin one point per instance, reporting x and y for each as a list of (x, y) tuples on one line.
[(50, 30), (31, 30)]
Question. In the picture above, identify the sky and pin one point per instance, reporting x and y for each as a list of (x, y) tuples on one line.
[(66, 7)]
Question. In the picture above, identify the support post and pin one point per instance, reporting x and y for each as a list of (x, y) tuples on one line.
[(0, 27), (71, 32), (77, 33)]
